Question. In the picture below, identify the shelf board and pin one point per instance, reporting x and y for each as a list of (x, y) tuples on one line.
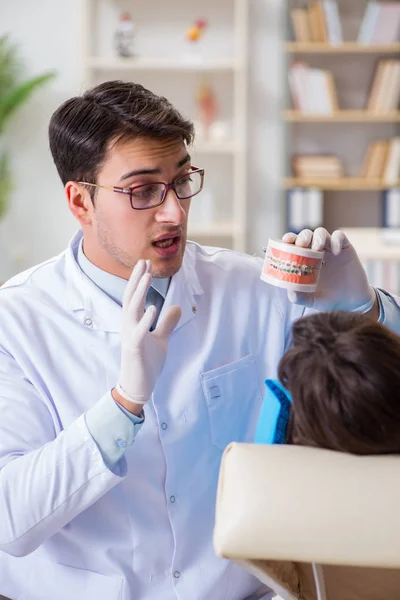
[(160, 64), (339, 184), (370, 244), (344, 116), (212, 230), (344, 48)]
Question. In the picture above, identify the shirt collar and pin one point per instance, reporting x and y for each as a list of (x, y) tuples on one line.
[(110, 284), (85, 298)]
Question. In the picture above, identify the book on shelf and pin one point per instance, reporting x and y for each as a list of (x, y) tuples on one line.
[(382, 161), (375, 159), (313, 91), (333, 22), (304, 209), (300, 25), (380, 24), (391, 173), (318, 26), (384, 95), (390, 232), (318, 22), (391, 209), (317, 166)]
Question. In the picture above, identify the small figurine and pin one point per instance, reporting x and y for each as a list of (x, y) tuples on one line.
[(124, 36), (196, 31), (207, 105)]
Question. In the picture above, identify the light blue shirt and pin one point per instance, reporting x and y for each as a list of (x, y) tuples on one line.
[(112, 427), (112, 285)]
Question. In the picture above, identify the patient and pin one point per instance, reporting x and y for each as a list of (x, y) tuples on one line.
[(343, 373)]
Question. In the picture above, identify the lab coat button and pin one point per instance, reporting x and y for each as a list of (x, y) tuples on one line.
[(164, 426), (172, 499), (121, 443), (177, 574), (215, 392), (88, 322)]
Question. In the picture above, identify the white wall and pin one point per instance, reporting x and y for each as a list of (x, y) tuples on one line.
[(48, 32), (267, 89), (39, 224)]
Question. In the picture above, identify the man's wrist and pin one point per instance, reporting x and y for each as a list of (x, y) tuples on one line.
[(131, 407)]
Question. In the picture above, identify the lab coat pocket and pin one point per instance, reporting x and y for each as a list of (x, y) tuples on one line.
[(47, 580), (233, 398)]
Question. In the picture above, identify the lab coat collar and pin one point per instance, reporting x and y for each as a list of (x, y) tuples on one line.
[(100, 312)]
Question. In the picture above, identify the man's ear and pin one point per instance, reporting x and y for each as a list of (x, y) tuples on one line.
[(79, 202)]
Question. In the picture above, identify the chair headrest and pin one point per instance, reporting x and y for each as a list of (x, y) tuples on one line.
[(308, 505)]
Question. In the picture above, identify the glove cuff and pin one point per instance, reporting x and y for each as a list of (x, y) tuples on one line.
[(368, 305), (124, 394)]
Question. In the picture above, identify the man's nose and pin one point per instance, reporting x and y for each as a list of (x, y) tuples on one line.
[(171, 210)]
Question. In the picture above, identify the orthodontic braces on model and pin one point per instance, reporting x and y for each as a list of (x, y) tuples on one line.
[(292, 267)]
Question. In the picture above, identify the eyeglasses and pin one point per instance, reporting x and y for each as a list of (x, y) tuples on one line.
[(153, 194)]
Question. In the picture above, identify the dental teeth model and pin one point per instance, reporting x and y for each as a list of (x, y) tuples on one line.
[(292, 267)]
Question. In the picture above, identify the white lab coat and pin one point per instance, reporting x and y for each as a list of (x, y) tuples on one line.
[(70, 527)]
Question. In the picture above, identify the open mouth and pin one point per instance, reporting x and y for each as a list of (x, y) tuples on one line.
[(168, 247), (166, 243)]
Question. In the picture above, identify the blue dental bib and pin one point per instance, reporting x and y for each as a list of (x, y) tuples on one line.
[(274, 415)]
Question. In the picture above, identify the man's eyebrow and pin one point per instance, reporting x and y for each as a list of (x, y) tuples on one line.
[(183, 161), (134, 173), (140, 172)]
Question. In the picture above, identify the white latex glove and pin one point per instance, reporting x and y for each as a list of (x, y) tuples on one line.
[(143, 353), (342, 283)]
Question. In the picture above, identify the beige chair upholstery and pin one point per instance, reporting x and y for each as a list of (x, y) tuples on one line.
[(288, 513)]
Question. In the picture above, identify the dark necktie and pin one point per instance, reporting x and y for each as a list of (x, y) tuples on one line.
[(155, 298)]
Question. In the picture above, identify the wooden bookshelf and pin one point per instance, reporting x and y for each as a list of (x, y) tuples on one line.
[(160, 64), (343, 116), (343, 76), (339, 184), (344, 48)]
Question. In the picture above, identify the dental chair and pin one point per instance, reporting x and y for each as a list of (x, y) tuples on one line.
[(311, 524)]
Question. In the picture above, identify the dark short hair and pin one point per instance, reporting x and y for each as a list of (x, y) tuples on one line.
[(343, 372), (83, 127)]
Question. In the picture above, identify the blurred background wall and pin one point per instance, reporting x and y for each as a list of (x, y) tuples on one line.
[(344, 120), (50, 36), (38, 224)]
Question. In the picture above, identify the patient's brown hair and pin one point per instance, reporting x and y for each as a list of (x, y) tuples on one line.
[(343, 372)]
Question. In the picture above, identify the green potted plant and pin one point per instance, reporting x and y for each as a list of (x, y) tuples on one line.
[(14, 92)]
